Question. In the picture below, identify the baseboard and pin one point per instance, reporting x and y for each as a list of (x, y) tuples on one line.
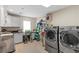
[(19, 43)]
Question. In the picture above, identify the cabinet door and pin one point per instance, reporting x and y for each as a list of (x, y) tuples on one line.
[(18, 37), (9, 45), (15, 21), (3, 16), (2, 22), (9, 21)]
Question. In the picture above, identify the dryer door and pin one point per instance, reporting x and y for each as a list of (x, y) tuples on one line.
[(69, 40), (51, 35)]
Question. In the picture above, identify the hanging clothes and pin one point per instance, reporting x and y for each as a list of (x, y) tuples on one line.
[(37, 31)]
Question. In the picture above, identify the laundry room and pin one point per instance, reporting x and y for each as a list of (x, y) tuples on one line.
[(39, 29)]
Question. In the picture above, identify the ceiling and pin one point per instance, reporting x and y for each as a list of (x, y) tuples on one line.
[(33, 10)]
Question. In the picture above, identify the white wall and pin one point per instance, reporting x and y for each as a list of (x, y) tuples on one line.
[(66, 17)]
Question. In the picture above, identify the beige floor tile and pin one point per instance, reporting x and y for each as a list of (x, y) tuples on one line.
[(34, 47)]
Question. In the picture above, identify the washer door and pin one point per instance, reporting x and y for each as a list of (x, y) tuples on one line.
[(50, 35), (69, 40)]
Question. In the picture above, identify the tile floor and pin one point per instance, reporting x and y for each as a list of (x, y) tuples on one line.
[(34, 47)]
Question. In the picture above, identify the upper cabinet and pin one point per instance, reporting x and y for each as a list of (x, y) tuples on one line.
[(4, 20), (7, 19), (15, 21), (3, 16)]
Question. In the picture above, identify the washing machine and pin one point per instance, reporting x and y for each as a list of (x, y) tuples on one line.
[(51, 39), (69, 39)]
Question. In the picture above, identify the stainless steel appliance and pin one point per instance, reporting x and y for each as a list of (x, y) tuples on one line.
[(7, 38), (69, 39), (7, 42), (51, 44), (17, 33)]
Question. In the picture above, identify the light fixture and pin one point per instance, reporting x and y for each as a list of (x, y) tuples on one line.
[(47, 5)]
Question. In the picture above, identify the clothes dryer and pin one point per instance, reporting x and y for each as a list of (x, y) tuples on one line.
[(51, 39), (69, 39)]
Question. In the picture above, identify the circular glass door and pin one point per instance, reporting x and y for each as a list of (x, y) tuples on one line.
[(50, 35), (69, 40)]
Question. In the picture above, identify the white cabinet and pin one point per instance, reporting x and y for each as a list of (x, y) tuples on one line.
[(4, 19), (2, 22), (2, 16), (15, 21), (18, 37), (9, 20)]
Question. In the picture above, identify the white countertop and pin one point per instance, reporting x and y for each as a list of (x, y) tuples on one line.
[(9, 34)]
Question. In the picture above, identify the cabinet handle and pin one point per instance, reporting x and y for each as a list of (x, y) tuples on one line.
[(5, 21)]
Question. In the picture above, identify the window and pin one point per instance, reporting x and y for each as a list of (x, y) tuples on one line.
[(26, 26)]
